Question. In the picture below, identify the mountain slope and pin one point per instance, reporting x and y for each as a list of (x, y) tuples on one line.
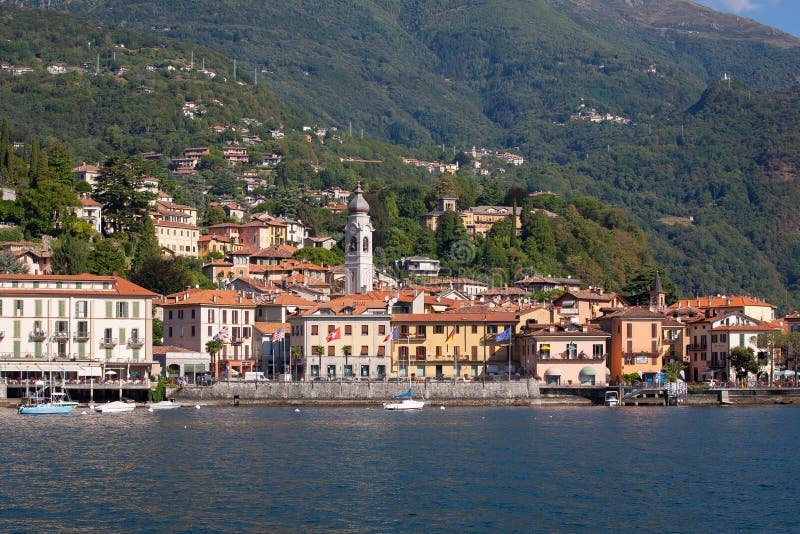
[(133, 102)]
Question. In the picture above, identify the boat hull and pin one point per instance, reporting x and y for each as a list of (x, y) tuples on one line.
[(404, 405), (47, 408), (165, 405), (115, 407)]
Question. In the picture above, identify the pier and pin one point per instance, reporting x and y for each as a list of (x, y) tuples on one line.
[(85, 392)]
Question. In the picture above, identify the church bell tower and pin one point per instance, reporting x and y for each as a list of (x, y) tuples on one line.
[(359, 271)]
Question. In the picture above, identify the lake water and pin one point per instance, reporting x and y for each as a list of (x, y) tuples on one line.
[(366, 470)]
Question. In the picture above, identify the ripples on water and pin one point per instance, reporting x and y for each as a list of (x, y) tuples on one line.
[(366, 470)]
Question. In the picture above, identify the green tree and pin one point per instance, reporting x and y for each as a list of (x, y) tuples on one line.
[(214, 347), (147, 247), (743, 361), (120, 189), (319, 256), (5, 148), (673, 370), (10, 264), (452, 242), (158, 331), (71, 255), (216, 215), (769, 341), (60, 166), (637, 289), (319, 350), (161, 275), (48, 207), (108, 257)]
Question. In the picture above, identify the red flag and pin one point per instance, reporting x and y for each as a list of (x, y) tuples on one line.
[(336, 334)]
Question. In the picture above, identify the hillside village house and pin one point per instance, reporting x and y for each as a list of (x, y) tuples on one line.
[(720, 305), (35, 260), (87, 173), (273, 350), (451, 344), (636, 342), (712, 339), (564, 354), (583, 306), (345, 337), (91, 211), (207, 244), (194, 317), (176, 238), (80, 326)]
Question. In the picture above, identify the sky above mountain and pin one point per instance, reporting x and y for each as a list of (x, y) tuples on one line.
[(781, 14)]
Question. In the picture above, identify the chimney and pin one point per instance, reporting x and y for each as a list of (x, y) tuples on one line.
[(213, 299)]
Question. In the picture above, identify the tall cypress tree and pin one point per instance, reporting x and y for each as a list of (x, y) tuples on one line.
[(5, 148), (33, 163), (147, 247)]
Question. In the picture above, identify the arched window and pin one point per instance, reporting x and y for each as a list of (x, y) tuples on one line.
[(353, 244), (365, 246)]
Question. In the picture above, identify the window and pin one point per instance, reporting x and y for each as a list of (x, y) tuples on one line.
[(235, 317), (364, 329), (544, 351), (210, 316), (381, 327), (653, 330), (420, 355), (364, 350), (191, 331), (83, 328), (135, 310), (180, 314), (438, 329), (402, 353), (365, 370), (348, 370), (246, 317), (598, 349), (630, 346), (62, 308), (108, 335), (314, 329), (193, 314), (135, 334), (404, 330), (381, 350), (474, 352), (630, 329), (315, 370), (474, 329), (18, 308), (438, 350), (492, 329), (224, 316), (421, 330), (348, 329), (572, 351), (169, 331), (122, 310), (82, 309), (170, 315), (330, 328), (210, 331), (331, 350), (37, 308)]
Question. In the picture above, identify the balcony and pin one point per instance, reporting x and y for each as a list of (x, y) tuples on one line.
[(718, 363), (80, 336), (61, 336), (108, 342), (37, 335), (236, 340), (568, 311), (135, 343), (697, 347)]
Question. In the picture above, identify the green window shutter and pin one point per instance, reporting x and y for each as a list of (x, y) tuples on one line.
[(37, 307), (135, 310), (61, 308), (136, 355), (108, 354), (109, 309), (81, 350), (16, 328), (37, 349), (17, 349), (121, 336)]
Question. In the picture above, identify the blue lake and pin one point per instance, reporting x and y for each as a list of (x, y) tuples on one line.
[(239, 469)]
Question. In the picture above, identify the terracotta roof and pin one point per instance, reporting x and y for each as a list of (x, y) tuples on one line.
[(276, 251), (209, 237), (635, 312), (89, 202), (173, 224), (120, 286), (271, 328), (720, 302), (207, 297), (284, 299), (588, 295), (86, 168)]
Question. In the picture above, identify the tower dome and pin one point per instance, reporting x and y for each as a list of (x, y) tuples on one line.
[(358, 204)]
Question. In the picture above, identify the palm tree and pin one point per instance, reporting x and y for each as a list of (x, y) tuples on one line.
[(319, 350), (347, 350), (297, 353), (213, 347)]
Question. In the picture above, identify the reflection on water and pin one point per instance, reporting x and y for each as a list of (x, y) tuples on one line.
[(367, 470)]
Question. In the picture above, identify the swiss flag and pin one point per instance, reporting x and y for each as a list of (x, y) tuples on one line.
[(336, 334)]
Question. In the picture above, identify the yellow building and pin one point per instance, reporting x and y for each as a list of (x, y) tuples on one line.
[(448, 345)]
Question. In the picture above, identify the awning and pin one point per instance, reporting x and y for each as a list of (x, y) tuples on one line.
[(588, 371), (553, 372), (608, 371), (90, 371)]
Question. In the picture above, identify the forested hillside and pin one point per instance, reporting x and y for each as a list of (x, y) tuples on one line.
[(708, 168)]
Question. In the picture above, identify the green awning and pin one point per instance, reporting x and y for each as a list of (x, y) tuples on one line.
[(588, 371)]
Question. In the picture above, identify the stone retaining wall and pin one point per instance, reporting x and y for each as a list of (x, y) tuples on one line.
[(522, 390)]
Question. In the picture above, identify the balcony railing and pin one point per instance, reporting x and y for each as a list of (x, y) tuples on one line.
[(568, 311), (135, 343), (236, 340), (37, 335), (80, 336), (61, 335), (108, 342), (697, 347), (718, 364)]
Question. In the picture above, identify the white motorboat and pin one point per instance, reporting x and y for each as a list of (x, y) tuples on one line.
[(164, 405), (404, 402), (611, 399), (115, 407)]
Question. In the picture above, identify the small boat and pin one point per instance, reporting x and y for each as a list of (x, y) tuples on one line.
[(164, 405), (404, 401), (115, 407), (41, 404), (612, 398)]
